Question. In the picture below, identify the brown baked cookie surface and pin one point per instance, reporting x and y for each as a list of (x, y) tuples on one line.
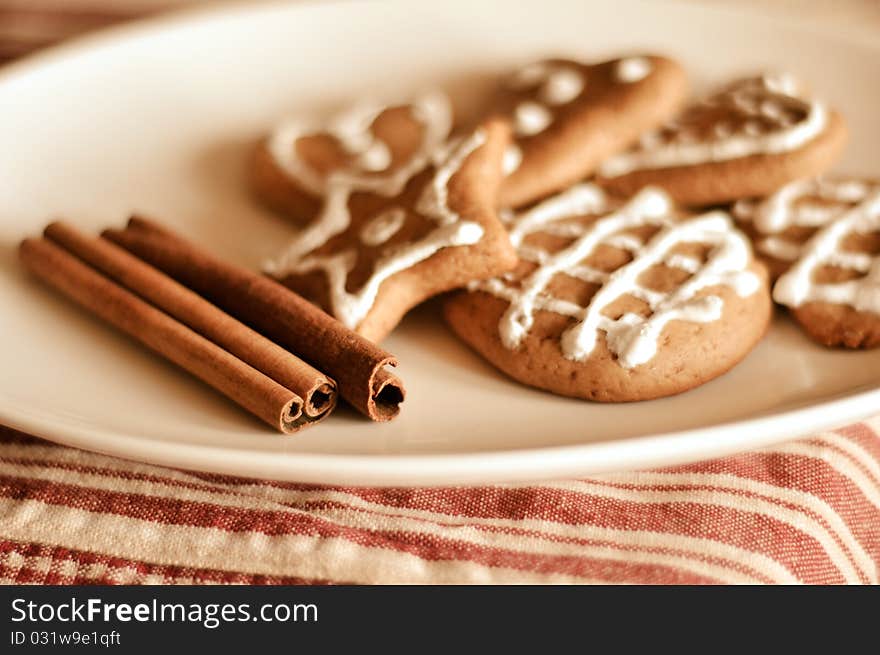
[(617, 300), (384, 242), (748, 140), (833, 285), (569, 116), (294, 168), (782, 223)]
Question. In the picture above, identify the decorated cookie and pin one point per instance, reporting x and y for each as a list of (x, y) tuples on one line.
[(382, 243), (782, 223), (569, 116), (750, 139), (833, 286), (617, 300), (371, 147)]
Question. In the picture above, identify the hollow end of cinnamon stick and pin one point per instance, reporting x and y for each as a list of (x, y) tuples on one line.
[(356, 364), (387, 395), (320, 400)]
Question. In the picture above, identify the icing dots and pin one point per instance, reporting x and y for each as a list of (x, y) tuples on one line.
[(632, 69), (530, 118), (373, 172), (513, 156), (766, 116), (826, 248), (556, 84), (632, 338), (562, 86), (811, 203), (376, 157)]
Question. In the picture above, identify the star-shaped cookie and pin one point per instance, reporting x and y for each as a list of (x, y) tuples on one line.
[(403, 214)]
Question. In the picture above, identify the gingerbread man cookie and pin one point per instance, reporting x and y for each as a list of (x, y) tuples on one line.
[(391, 233), (569, 116), (833, 285), (617, 300), (748, 140)]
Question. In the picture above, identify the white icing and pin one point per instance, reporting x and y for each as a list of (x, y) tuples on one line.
[(631, 337), (633, 69), (798, 286), (434, 201), (559, 84), (351, 307), (579, 200), (783, 83), (512, 159), (779, 248), (530, 118), (771, 110), (803, 203), (352, 130), (383, 226), (562, 86), (377, 157), (684, 262), (747, 97)]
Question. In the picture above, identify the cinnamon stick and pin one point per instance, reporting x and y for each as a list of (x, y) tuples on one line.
[(256, 392), (317, 391), (272, 309)]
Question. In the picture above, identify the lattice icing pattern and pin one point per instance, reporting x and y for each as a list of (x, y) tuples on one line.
[(811, 203), (755, 116), (368, 174), (631, 337), (827, 248)]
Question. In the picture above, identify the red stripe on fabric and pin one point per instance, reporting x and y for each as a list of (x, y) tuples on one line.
[(691, 519), (273, 523), (863, 435), (83, 559), (324, 505), (537, 505)]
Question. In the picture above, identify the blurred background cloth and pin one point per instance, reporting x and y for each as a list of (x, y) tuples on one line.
[(27, 25), (805, 511)]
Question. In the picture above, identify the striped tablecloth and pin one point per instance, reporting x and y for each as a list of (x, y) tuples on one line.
[(806, 511)]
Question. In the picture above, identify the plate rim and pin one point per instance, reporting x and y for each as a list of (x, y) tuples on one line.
[(517, 464)]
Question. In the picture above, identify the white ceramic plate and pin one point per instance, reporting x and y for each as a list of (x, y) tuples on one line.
[(158, 117)]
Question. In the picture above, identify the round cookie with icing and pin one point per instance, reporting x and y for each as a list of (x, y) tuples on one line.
[(833, 285), (381, 243), (569, 116), (783, 222), (370, 146), (747, 140), (617, 300)]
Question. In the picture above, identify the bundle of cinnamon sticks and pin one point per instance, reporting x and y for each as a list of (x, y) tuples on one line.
[(247, 336)]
